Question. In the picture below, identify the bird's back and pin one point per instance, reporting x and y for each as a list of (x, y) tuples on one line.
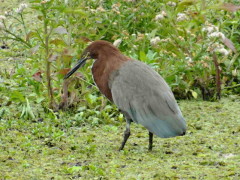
[(145, 97)]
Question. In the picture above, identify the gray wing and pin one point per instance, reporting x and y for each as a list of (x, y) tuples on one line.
[(144, 95)]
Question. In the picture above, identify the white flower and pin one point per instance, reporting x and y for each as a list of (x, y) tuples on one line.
[(164, 13), (234, 72), (134, 35), (21, 7), (135, 47), (228, 155), (165, 40), (189, 59), (215, 46), (117, 42), (214, 34), (181, 38), (100, 9), (217, 34), (2, 17), (1, 25), (155, 41), (44, 2), (181, 17), (213, 31), (222, 51), (159, 17), (115, 7), (18, 10), (7, 13), (209, 29), (170, 3)]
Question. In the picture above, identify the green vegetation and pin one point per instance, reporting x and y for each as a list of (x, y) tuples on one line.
[(58, 148), (55, 129)]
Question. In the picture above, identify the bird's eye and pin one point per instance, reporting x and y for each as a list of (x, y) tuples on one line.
[(94, 55)]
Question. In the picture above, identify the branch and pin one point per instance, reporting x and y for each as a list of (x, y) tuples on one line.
[(17, 38), (231, 87), (218, 80)]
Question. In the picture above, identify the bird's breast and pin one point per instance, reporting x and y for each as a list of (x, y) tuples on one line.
[(104, 71), (101, 76)]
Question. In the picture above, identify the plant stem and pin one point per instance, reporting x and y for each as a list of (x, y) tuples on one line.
[(52, 103), (18, 38), (24, 26), (231, 87), (218, 80)]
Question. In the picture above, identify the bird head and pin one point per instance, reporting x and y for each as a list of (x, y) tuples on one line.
[(100, 48), (96, 50)]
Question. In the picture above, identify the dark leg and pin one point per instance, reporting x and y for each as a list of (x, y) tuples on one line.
[(150, 141), (126, 134)]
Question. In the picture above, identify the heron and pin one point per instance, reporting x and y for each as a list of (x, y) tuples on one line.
[(139, 92)]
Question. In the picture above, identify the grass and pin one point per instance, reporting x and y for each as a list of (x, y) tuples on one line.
[(43, 149)]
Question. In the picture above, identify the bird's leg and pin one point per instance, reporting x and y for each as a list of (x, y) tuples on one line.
[(150, 141), (126, 134)]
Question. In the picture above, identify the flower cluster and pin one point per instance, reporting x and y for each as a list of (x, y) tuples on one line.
[(216, 47), (116, 8), (154, 41), (181, 17), (217, 34), (45, 1), (165, 40), (170, 3), (130, 0), (160, 16), (101, 9), (21, 7), (213, 32), (222, 50), (2, 17), (1, 25)]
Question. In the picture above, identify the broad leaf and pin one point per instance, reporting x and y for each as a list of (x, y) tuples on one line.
[(60, 30), (229, 44)]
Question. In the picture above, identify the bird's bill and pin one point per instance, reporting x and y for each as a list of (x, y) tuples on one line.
[(79, 64)]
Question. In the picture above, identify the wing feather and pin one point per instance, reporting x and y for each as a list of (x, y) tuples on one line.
[(147, 99)]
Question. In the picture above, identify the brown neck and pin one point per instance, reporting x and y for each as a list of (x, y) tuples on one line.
[(103, 67)]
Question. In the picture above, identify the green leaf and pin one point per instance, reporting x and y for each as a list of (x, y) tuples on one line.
[(184, 4), (29, 110), (57, 42), (194, 94), (74, 11), (17, 96), (40, 99), (67, 59), (60, 30), (142, 56)]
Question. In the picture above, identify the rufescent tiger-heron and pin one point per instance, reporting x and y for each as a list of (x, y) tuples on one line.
[(139, 92)]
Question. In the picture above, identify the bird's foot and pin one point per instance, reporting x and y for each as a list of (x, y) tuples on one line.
[(149, 148)]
